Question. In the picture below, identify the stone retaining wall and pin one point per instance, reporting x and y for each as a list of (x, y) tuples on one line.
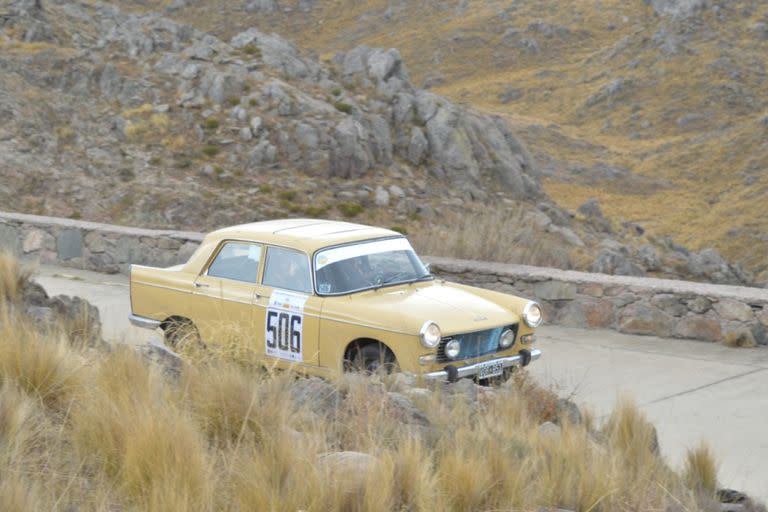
[(93, 246), (636, 305)]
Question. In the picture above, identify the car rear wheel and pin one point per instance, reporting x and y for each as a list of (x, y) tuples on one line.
[(180, 331), (370, 358)]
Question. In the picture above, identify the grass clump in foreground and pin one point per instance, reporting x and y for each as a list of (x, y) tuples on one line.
[(94, 430)]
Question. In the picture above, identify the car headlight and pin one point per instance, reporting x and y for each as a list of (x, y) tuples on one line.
[(430, 334), (452, 349), (532, 315), (507, 338)]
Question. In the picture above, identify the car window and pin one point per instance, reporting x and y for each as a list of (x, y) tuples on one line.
[(238, 261), (361, 266), (287, 269)]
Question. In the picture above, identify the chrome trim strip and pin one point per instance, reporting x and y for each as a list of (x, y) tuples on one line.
[(141, 321), (469, 370), (153, 285)]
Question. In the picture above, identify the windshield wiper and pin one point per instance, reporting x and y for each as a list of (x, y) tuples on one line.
[(393, 278)]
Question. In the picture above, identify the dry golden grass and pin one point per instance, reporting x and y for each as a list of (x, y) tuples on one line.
[(501, 235), (221, 438), (701, 469), (12, 278), (94, 430), (44, 366)]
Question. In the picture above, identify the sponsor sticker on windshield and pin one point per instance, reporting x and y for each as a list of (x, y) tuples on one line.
[(353, 251)]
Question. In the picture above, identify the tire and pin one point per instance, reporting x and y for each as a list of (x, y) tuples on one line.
[(180, 331), (370, 358)]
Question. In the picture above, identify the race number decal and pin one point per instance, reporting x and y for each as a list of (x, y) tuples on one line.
[(285, 316)]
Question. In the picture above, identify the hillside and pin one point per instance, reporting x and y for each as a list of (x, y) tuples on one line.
[(184, 115), (657, 108)]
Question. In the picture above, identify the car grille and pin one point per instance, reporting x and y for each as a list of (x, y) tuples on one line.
[(474, 344)]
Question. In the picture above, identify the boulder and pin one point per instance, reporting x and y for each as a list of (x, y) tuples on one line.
[(79, 318), (221, 87), (679, 8), (350, 471), (591, 208), (762, 316), (698, 327), (599, 314), (350, 155), (418, 146), (669, 303), (277, 53), (640, 318), (699, 304), (381, 197), (555, 290), (734, 310), (615, 262)]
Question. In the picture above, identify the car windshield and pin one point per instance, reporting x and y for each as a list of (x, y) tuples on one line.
[(366, 265)]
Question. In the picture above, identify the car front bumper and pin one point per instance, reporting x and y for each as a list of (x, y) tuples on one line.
[(141, 321), (452, 373)]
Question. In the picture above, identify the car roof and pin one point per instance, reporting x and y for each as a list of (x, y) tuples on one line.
[(305, 234)]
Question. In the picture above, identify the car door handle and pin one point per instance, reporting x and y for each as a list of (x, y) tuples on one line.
[(202, 285)]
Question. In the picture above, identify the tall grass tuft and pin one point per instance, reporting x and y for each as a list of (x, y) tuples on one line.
[(701, 469), (506, 236), (12, 278), (43, 365)]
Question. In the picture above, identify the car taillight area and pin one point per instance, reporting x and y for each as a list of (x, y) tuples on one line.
[(474, 344)]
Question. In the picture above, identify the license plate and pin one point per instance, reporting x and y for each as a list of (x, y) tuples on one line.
[(489, 369)]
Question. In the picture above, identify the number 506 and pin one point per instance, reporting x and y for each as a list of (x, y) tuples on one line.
[(284, 331)]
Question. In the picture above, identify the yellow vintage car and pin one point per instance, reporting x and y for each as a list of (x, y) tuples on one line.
[(323, 297)]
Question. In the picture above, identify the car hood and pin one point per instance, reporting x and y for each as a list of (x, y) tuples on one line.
[(405, 308)]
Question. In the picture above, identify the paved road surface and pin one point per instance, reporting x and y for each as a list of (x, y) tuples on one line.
[(690, 390)]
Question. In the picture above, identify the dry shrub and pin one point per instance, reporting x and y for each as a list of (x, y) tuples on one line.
[(232, 406), (12, 278), (506, 236), (42, 365), (415, 482), (20, 425), (224, 437), (18, 494), (150, 448), (701, 469), (542, 403), (631, 434), (571, 473), (742, 338)]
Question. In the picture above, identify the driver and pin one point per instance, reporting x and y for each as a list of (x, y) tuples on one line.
[(358, 273)]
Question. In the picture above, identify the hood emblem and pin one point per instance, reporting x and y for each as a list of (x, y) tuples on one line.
[(480, 318)]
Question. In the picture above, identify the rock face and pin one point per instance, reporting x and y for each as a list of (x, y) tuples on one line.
[(254, 108), (466, 147), (79, 318), (679, 8)]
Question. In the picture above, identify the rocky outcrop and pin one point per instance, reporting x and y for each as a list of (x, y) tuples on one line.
[(167, 94), (75, 316), (465, 147)]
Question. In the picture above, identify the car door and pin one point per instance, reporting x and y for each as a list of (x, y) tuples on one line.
[(236, 266), (202, 306), (290, 310)]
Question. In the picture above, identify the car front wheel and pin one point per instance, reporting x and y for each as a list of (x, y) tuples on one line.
[(370, 358)]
